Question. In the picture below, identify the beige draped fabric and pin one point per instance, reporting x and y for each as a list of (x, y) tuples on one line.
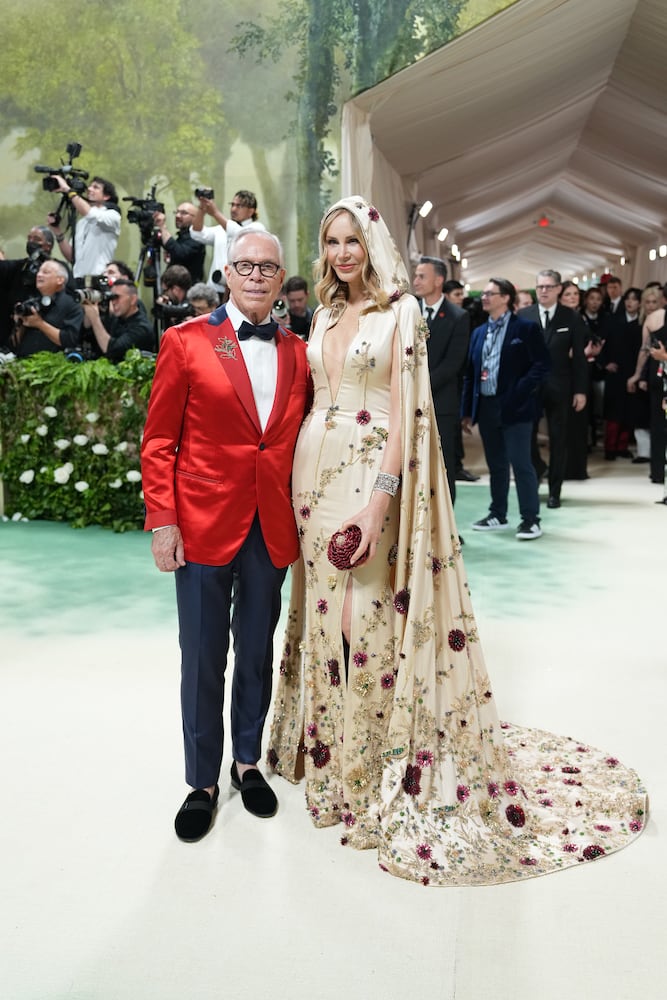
[(554, 108)]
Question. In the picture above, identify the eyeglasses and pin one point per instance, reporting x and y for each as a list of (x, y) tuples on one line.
[(266, 268), (238, 204), (487, 295), (544, 288)]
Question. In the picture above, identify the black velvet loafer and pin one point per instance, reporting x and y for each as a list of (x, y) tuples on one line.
[(193, 819), (256, 793)]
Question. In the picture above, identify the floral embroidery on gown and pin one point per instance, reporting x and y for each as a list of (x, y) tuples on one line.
[(407, 752)]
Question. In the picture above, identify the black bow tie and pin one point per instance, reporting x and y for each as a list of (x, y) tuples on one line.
[(266, 331)]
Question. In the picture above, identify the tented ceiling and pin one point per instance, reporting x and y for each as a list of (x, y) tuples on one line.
[(551, 108)]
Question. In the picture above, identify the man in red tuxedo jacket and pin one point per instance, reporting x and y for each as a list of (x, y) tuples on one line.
[(231, 389)]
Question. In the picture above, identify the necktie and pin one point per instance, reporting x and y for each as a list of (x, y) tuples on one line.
[(493, 326), (545, 319), (429, 314), (266, 331)]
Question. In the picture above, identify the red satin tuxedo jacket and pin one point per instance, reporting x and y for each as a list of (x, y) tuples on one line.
[(206, 465)]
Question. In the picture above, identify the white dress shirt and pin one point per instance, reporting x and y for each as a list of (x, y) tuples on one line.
[(261, 361)]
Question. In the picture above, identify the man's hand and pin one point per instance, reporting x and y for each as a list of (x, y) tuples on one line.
[(167, 549), (466, 425), (34, 319), (579, 401)]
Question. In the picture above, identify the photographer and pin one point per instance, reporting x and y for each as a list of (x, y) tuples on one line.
[(17, 278), (52, 324), (243, 214), (172, 307), (125, 325), (203, 299), (182, 248), (96, 233)]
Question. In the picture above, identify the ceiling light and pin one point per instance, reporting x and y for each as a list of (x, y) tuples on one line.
[(652, 254), (662, 250), (425, 209), (442, 235), (622, 261), (464, 262), (575, 280), (455, 249)]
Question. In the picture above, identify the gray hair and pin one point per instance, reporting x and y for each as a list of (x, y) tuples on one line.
[(251, 230), (551, 274), (205, 292)]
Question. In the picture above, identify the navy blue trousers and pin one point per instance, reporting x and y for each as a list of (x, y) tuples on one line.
[(505, 445), (247, 591)]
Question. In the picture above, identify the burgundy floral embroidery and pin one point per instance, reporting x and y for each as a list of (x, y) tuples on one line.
[(411, 782), (272, 757), (571, 781), (515, 815), (363, 417), (593, 851), (426, 880), (321, 754), (612, 761), (635, 825), (424, 852), (322, 606), (528, 861), (343, 841), (334, 673), (315, 812), (419, 413), (570, 848), (493, 790), (412, 465), (395, 295), (582, 750), (457, 640), (311, 729), (546, 802), (387, 681), (571, 770), (511, 787), (602, 828), (425, 758), (348, 818), (547, 767), (373, 214), (360, 658), (392, 554), (462, 792), (436, 566), (409, 352), (402, 601), (305, 512)]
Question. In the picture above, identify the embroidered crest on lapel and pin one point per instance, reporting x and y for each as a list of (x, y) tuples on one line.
[(226, 348)]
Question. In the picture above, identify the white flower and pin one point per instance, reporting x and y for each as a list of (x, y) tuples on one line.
[(92, 418), (42, 430), (69, 467), (25, 438), (62, 443), (116, 484), (81, 486), (133, 476), (17, 516), (50, 411), (43, 469), (62, 474), (141, 495), (121, 446), (27, 476), (80, 439), (100, 449)]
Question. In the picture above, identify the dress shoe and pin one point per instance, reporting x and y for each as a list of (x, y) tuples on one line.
[(640, 460), (193, 819), (610, 456), (663, 501), (463, 476), (624, 454), (553, 503), (258, 798)]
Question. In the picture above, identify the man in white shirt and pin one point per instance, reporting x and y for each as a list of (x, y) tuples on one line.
[(243, 214), (96, 233)]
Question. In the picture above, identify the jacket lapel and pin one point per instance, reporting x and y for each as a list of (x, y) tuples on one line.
[(286, 367), (223, 340)]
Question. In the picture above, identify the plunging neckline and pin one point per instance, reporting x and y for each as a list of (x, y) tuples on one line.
[(333, 397)]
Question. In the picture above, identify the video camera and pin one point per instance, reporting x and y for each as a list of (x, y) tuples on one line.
[(141, 214), (93, 288), (75, 177), (208, 193), (39, 302)]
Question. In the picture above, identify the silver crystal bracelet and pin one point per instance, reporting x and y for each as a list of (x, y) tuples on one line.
[(386, 483)]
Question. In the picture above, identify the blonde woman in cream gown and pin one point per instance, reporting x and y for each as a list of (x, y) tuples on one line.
[(399, 736)]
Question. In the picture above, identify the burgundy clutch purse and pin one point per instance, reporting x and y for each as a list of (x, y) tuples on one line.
[(342, 547)]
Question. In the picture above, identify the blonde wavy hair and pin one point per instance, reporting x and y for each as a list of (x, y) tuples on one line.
[(331, 292)]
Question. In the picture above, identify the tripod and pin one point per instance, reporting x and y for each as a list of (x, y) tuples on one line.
[(149, 265)]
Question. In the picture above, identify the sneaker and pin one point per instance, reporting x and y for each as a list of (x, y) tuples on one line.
[(528, 530), (490, 523)]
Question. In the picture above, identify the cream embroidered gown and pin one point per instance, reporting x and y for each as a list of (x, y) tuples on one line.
[(407, 752)]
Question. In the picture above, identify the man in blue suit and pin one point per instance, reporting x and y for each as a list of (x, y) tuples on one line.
[(508, 362)]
